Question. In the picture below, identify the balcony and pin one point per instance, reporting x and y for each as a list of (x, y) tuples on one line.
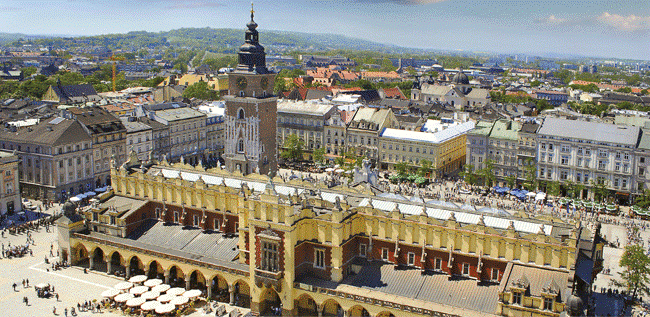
[(268, 278)]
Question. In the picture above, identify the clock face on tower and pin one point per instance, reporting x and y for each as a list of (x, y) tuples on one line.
[(264, 82), (242, 83)]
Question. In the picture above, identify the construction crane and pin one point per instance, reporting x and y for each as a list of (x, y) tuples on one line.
[(114, 60)]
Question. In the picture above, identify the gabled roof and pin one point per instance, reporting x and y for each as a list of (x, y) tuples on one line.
[(74, 91), (63, 131)]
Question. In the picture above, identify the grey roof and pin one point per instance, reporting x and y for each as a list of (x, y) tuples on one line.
[(67, 131), (599, 132), (307, 108), (535, 278), (411, 283), (644, 143), (134, 126), (179, 114)]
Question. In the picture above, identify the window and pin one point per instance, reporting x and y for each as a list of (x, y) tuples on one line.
[(196, 220), (578, 177), (550, 147), (495, 274), (565, 160), (363, 248), (602, 165), (319, 258), (587, 151), (240, 114), (543, 146), (579, 161), (437, 264), (565, 149), (580, 151), (550, 157), (240, 146), (411, 258), (113, 220), (564, 175), (176, 216), (516, 298), (270, 256), (624, 184), (548, 303), (642, 160), (157, 213), (626, 168), (384, 254), (618, 155), (617, 167), (541, 172), (465, 269)]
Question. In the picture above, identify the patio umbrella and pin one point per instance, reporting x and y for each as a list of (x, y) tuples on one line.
[(123, 297), (165, 309), (123, 286), (139, 290), (179, 300), (176, 291), (160, 288), (192, 293), (75, 199), (90, 194), (150, 295), (153, 282), (138, 279), (165, 298), (135, 302), (610, 207), (110, 293), (150, 305), (41, 285), (329, 169)]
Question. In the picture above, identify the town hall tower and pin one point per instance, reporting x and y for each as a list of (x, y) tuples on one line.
[(251, 111)]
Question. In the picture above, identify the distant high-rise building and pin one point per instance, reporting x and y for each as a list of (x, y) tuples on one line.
[(251, 110)]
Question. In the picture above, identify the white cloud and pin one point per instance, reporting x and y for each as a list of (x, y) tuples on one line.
[(553, 20), (630, 23)]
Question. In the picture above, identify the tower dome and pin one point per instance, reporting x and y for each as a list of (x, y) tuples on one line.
[(574, 306), (252, 58), (460, 79)]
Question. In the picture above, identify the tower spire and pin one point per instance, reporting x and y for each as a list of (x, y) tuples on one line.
[(252, 10)]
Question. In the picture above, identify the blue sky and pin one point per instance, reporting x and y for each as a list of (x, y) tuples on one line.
[(614, 28)]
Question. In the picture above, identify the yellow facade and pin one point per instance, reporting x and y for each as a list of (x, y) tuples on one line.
[(331, 230)]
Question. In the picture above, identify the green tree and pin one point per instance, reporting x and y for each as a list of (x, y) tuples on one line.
[(319, 155), (279, 86), (469, 175), (487, 173), (511, 180), (636, 275), (425, 168), (292, 148), (600, 189), (200, 90), (643, 201), (530, 175), (28, 71), (570, 188), (553, 188), (402, 168)]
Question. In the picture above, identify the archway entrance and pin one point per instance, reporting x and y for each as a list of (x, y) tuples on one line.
[(98, 262), (156, 270), (176, 277), (242, 294), (306, 306), (197, 281), (385, 314), (358, 311), (270, 303), (80, 256), (332, 309), (116, 265), (219, 289), (135, 266)]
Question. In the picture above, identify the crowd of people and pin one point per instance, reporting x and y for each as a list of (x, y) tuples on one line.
[(15, 251)]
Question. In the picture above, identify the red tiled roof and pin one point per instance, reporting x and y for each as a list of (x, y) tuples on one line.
[(394, 93)]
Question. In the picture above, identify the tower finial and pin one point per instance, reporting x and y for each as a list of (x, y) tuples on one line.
[(252, 10)]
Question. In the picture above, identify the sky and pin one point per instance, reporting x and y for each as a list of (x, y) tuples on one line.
[(612, 28)]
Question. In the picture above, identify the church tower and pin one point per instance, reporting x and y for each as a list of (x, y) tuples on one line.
[(251, 111)]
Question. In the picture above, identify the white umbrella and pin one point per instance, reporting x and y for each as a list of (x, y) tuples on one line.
[(123, 297), (75, 199), (165, 298), (161, 288), (540, 196), (329, 169), (89, 194), (135, 302), (176, 291), (139, 290), (150, 305), (138, 279), (123, 286), (340, 170), (109, 293), (42, 285), (153, 282), (150, 295), (179, 300), (192, 293), (165, 308), (531, 194)]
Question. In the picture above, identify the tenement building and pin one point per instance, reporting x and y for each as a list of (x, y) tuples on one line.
[(264, 243), (9, 194), (588, 153), (304, 119)]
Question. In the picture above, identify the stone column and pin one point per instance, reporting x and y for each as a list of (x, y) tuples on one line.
[(128, 272), (209, 287), (91, 263), (231, 290), (108, 266), (167, 273), (187, 282), (320, 308)]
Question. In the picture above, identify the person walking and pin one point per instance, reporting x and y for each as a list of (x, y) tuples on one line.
[(27, 280), (14, 285)]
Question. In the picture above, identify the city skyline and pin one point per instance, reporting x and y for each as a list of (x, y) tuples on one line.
[(619, 29)]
